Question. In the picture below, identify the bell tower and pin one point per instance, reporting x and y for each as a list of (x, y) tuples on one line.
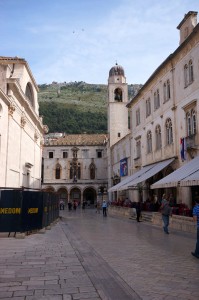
[(117, 101)]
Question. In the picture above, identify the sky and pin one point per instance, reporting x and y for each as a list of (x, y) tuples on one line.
[(80, 40)]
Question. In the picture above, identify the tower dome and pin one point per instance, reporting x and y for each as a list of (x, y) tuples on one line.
[(116, 70)]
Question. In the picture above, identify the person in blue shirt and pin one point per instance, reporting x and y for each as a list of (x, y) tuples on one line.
[(104, 207), (196, 219)]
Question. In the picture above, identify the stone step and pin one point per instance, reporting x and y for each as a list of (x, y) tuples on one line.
[(146, 216)]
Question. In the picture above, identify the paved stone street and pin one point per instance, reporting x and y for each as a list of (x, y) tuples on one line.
[(88, 256)]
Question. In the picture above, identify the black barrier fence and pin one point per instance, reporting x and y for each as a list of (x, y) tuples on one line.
[(22, 211)]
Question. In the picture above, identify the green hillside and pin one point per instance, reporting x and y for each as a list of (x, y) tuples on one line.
[(75, 107)]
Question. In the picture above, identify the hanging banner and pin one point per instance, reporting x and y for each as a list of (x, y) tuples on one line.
[(123, 167)]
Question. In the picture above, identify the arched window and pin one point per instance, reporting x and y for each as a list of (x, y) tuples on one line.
[(191, 78), (137, 117), (118, 95), (158, 137), (79, 171), (165, 92), (58, 171), (148, 107), (169, 132), (158, 99), (29, 94), (191, 122), (193, 113), (186, 75), (155, 100), (168, 90), (92, 171), (188, 117), (149, 142)]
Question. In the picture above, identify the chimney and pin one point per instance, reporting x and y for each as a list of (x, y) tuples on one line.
[(187, 25)]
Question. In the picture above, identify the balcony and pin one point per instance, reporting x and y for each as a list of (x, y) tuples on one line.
[(191, 141)]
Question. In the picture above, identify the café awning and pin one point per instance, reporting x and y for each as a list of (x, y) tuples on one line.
[(128, 179), (155, 168), (187, 175), (141, 175)]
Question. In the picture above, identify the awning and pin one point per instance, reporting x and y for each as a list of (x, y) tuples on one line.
[(191, 180), (141, 175), (155, 168), (187, 175), (129, 178)]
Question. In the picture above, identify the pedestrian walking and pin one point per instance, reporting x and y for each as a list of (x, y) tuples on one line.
[(98, 207), (69, 205), (61, 205), (75, 205), (138, 211), (104, 207), (84, 205), (196, 219), (166, 212)]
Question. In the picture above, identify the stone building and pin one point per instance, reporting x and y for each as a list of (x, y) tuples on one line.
[(163, 125), (21, 128), (75, 166)]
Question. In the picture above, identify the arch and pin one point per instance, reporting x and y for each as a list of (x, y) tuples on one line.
[(29, 94), (191, 76), (63, 194), (169, 132), (58, 169), (118, 95), (75, 195), (158, 137), (185, 75), (92, 171), (49, 189), (90, 196), (149, 141)]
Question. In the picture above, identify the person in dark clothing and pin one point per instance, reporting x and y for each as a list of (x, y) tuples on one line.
[(138, 211), (196, 220)]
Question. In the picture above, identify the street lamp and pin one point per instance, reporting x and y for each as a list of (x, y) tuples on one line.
[(102, 191)]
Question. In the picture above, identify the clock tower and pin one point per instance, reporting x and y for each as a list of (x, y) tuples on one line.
[(117, 101)]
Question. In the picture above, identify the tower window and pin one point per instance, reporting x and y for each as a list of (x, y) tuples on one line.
[(118, 134), (118, 95)]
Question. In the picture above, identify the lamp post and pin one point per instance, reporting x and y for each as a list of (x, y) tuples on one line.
[(102, 191)]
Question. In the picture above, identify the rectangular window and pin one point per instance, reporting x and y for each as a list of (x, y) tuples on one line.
[(99, 153), (118, 134), (65, 154), (138, 149), (50, 154), (137, 117)]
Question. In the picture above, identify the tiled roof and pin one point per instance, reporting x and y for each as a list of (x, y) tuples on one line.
[(79, 139)]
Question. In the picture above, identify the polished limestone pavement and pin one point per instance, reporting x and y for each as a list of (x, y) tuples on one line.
[(88, 256)]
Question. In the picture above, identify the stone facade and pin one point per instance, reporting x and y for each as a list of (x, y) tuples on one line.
[(75, 166), (164, 112), (21, 128)]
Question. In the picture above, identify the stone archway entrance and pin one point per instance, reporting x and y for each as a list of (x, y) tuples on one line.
[(49, 189), (63, 195), (75, 195), (90, 196)]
